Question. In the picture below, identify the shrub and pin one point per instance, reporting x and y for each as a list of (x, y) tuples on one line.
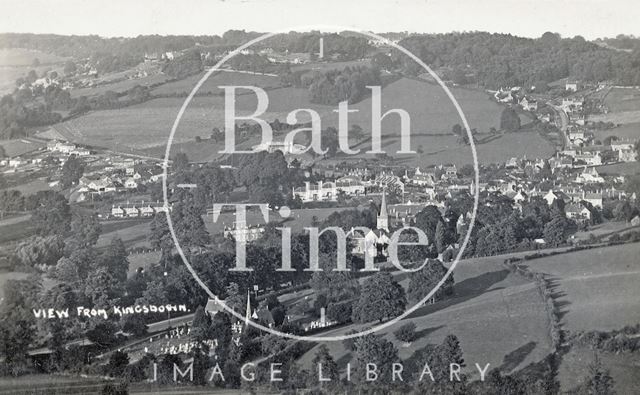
[(406, 333)]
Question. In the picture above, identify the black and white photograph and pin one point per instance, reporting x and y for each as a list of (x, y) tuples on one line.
[(320, 197)]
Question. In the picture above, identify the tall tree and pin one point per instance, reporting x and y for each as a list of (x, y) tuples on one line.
[(381, 298)]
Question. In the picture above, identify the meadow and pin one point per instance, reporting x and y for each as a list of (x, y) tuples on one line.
[(16, 63), (17, 147), (597, 288), (25, 57), (211, 85), (629, 131), (623, 99), (498, 317), (120, 86), (144, 128)]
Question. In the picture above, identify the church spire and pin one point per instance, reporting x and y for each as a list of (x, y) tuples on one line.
[(248, 312), (383, 217)]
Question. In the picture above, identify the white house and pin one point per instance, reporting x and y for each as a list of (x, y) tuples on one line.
[(589, 175)]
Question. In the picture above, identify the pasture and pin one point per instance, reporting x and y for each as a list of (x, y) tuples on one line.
[(597, 288), (623, 368), (17, 147), (630, 131), (211, 85), (120, 86), (25, 57), (16, 63), (144, 128), (498, 317), (132, 235), (624, 168), (623, 99)]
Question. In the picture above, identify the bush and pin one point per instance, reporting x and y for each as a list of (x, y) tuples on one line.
[(406, 333)]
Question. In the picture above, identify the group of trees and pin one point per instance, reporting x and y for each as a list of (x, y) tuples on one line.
[(334, 86), (502, 60), (185, 65)]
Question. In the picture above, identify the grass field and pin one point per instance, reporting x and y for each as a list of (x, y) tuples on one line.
[(18, 147), (217, 79), (144, 128), (16, 63), (597, 288), (623, 367), (51, 384), (133, 234), (499, 318), (623, 99), (120, 86), (629, 131), (626, 168), (25, 57)]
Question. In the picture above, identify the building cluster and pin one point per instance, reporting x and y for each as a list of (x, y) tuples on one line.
[(138, 209)]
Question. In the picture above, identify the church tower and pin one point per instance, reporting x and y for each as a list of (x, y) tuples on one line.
[(383, 217)]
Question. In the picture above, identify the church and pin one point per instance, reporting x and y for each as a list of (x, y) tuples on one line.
[(375, 242)]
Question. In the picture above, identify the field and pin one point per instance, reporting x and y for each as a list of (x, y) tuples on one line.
[(16, 63), (18, 147), (626, 168), (50, 384), (629, 131), (25, 57), (499, 318), (623, 99), (132, 235), (211, 85), (144, 128), (598, 287), (623, 368), (120, 86)]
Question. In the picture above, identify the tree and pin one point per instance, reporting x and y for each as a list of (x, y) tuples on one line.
[(440, 237), (17, 327), (381, 298), (201, 326), (424, 280), (40, 250), (114, 260), (85, 231), (52, 215), (221, 331), (72, 170), (69, 67), (118, 361), (323, 360), (180, 162), (556, 231), (509, 120), (373, 349), (427, 220)]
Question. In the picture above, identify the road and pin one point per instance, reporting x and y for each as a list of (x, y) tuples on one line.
[(564, 123)]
